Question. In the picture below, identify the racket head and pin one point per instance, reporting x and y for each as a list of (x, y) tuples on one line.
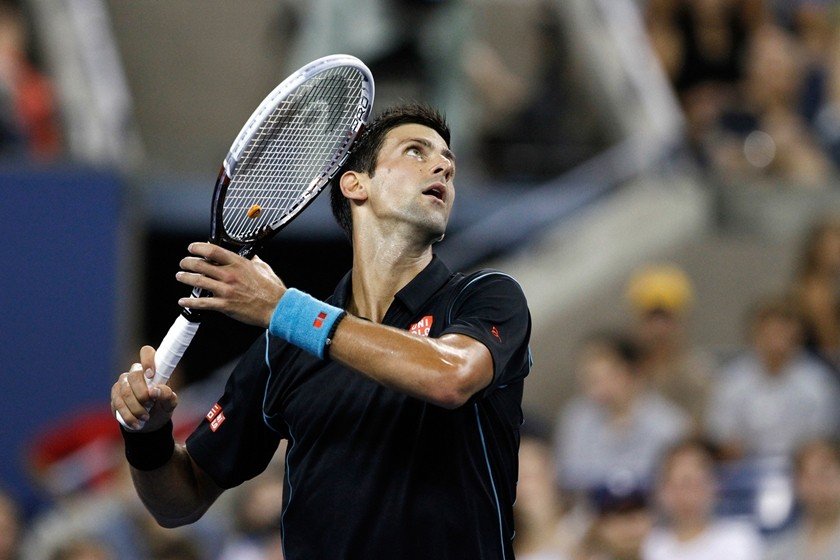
[(288, 150)]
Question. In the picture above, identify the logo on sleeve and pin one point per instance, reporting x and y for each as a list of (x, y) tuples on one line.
[(495, 332), (215, 416), (423, 326), (214, 411)]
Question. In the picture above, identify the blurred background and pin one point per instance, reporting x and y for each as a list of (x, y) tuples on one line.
[(660, 175)]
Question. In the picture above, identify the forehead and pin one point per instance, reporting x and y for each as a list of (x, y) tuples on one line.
[(409, 131)]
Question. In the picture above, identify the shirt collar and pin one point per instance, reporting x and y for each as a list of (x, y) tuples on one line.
[(412, 295)]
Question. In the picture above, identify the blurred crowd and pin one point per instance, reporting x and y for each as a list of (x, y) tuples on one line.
[(667, 450), (759, 81), (29, 124)]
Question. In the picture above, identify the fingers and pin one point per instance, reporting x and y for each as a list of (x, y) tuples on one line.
[(212, 270), (129, 396), (203, 303), (147, 360), (165, 398), (197, 280), (214, 253), (133, 393)]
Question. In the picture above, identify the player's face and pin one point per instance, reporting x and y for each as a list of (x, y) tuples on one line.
[(413, 181)]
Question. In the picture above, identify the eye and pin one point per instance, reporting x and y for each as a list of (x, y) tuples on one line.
[(414, 151)]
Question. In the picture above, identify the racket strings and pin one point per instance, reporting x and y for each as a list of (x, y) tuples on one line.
[(292, 152)]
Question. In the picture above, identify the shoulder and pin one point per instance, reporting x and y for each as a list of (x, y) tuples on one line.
[(785, 545), (739, 374), (658, 543), (487, 279), (579, 406), (661, 412), (812, 370), (731, 534)]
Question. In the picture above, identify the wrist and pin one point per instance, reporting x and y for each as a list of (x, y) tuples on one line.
[(305, 321), (147, 451)]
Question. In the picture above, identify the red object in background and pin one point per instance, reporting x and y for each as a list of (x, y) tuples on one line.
[(83, 451), (76, 452), (36, 111)]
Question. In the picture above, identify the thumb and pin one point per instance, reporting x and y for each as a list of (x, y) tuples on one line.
[(147, 360)]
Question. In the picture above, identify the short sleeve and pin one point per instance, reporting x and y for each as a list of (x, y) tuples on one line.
[(233, 443), (491, 308)]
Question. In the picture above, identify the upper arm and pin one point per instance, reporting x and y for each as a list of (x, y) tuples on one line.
[(476, 372), (492, 312)]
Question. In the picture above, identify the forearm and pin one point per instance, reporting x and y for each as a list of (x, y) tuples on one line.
[(445, 371), (175, 493)]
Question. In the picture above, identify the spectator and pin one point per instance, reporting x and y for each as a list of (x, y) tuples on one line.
[(774, 396), (701, 46), (826, 119), (817, 289), (661, 297), (788, 149), (816, 535), (10, 527), (544, 531), (77, 463), (622, 524), (686, 492), (83, 549), (617, 428), (28, 122), (257, 509)]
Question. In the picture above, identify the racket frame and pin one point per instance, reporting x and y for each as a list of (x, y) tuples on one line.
[(248, 246), (185, 327)]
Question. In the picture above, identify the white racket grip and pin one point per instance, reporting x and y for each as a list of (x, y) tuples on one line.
[(172, 348), (167, 356)]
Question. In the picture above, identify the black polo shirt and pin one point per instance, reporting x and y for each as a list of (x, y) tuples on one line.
[(372, 473)]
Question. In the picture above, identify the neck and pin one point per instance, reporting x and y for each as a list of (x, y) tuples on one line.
[(775, 365), (690, 529), (380, 270), (621, 410), (662, 352)]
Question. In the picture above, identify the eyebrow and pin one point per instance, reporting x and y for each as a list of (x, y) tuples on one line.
[(446, 152)]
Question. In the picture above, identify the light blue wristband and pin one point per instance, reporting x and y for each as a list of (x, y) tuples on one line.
[(304, 321)]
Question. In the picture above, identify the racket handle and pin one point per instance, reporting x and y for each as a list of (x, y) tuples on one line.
[(167, 356)]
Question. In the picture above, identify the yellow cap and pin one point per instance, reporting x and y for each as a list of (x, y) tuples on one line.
[(664, 287)]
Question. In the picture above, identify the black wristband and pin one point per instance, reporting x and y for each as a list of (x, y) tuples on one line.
[(331, 333), (147, 451)]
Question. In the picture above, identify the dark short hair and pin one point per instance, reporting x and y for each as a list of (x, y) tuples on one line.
[(781, 307), (616, 500), (619, 345), (710, 452), (365, 151)]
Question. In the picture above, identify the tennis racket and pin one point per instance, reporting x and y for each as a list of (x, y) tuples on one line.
[(289, 149)]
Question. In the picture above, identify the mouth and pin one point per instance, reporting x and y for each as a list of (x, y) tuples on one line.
[(437, 191)]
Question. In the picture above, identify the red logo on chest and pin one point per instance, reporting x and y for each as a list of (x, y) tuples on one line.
[(423, 326)]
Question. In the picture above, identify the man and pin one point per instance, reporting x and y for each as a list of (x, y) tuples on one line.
[(613, 432), (661, 297), (774, 396), (815, 532), (400, 399), (686, 488)]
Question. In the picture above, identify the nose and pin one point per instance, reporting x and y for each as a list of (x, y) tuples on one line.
[(444, 166)]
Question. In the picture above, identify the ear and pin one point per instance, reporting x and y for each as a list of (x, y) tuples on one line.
[(353, 185)]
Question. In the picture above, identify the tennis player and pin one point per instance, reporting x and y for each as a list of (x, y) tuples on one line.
[(400, 396)]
